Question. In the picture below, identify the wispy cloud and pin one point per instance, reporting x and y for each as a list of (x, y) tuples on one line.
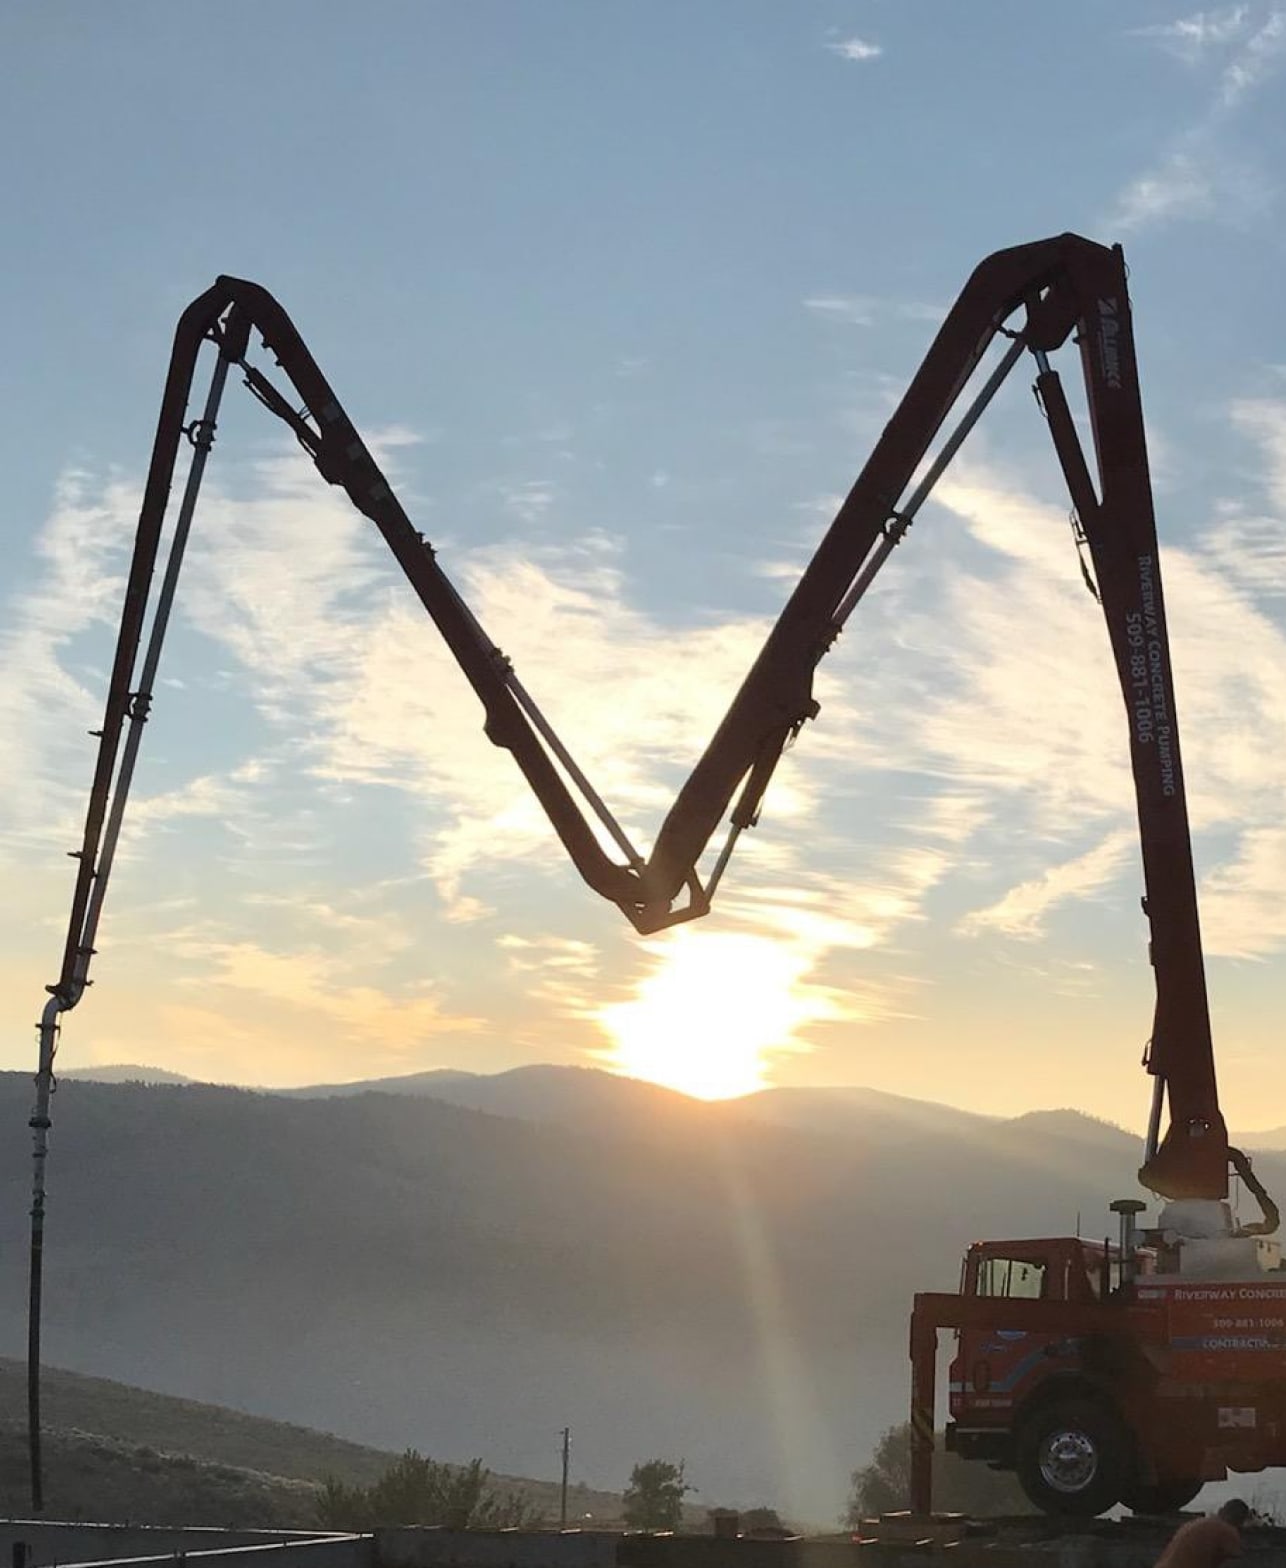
[(864, 310), (1022, 911), (529, 500), (1200, 183), (384, 705), (855, 310), (1241, 902), (1254, 64), (354, 690), (974, 723), (1180, 187), (359, 1014), (1191, 37), (354, 939), (226, 798), (1206, 173), (856, 49), (982, 801), (46, 701), (563, 973)]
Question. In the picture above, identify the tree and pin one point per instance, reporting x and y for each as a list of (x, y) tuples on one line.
[(416, 1490), (883, 1484), (764, 1522), (654, 1498)]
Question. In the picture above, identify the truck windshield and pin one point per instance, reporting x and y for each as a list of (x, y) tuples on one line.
[(1010, 1277)]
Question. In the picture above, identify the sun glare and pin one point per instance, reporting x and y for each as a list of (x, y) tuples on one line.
[(713, 1013)]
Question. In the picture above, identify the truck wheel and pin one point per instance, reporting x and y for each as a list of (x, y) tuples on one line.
[(1165, 1497), (1073, 1458)]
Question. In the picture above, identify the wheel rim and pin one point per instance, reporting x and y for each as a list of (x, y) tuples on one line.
[(1068, 1461)]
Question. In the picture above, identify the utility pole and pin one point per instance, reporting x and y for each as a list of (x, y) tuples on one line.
[(567, 1452)]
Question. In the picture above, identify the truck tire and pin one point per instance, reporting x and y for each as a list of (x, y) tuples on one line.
[(1074, 1457), (1163, 1497)]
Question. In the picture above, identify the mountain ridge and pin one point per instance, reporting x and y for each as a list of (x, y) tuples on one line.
[(526, 1087), (786, 1105)]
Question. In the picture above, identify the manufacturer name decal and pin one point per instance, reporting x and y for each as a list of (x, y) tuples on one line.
[(1109, 342)]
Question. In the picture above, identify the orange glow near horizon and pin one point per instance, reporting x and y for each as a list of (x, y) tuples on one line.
[(709, 1018)]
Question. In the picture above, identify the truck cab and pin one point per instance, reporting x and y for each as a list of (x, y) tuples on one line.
[(995, 1371), (1036, 1384)]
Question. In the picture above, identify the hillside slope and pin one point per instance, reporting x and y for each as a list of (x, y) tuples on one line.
[(99, 1478), (72, 1402), (113, 1452)]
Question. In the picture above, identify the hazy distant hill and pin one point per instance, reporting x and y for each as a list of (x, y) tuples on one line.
[(673, 1279), (437, 1083), (125, 1072), (570, 1095), (870, 1113), (565, 1096), (1273, 1138), (593, 1099)]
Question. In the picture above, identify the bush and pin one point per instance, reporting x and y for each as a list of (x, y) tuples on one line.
[(654, 1498), (883, 1485), (416, 1490)]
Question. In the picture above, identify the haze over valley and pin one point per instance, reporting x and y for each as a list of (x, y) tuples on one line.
[(469, 1263)]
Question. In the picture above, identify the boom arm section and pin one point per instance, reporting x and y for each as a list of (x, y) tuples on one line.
[(1068, 287), (1120, 528), (225, 315)]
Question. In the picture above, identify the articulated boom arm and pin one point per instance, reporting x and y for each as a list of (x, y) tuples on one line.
[(1065, 287)]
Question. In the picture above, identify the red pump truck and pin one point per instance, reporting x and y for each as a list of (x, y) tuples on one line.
[(1101, 1374)]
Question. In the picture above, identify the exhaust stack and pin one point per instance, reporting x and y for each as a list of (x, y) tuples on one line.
[(1127, 1208)]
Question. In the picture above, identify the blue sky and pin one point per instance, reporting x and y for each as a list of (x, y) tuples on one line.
[(624, 294)]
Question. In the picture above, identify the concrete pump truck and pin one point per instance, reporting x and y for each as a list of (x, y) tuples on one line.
[(1101, 1374)]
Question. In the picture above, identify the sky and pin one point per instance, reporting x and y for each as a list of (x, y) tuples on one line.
[(622, 295)]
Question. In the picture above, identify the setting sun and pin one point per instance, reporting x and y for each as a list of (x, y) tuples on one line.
[(712, 1014)]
